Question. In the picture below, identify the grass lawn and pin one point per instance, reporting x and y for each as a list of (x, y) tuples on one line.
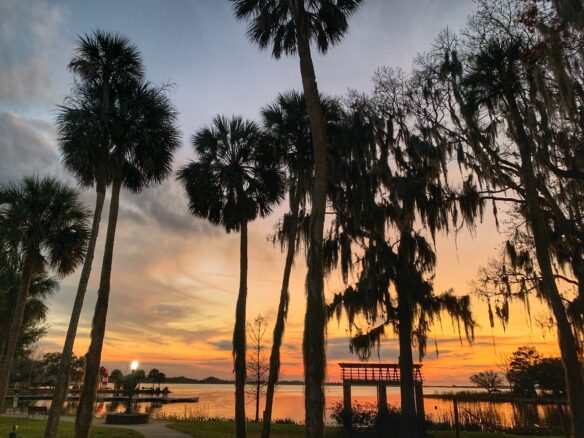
[(449, 434), (36, 428), (226, 429)]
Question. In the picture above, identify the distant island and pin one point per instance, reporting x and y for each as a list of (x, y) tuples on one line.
[(218, 381)]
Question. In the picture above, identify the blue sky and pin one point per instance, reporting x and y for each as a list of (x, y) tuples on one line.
[(200, 47)]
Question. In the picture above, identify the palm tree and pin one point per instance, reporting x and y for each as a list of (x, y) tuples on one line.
[(152, 376), (287, 124), (143, 140), (44, 222), (495, 81), (103, 64), (160, 378), (234, 180), (117, 378), (289, 26), (41, 288)]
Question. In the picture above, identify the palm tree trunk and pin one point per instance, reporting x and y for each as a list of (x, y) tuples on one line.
[(93, 356), (314, 341), (281, 317), (62, 383), (539, 228), (239, 337), (406, 364), (15, 329), (4, 330)]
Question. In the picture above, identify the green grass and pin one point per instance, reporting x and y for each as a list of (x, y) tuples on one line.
[(449, 434), (226, 429), (36, 428)]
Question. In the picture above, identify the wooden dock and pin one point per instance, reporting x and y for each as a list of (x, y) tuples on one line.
[(112, 398), (380, 375)]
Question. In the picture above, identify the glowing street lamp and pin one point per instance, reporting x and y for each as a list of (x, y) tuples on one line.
[(133, 366)]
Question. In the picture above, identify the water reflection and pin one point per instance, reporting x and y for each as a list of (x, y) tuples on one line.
[(217, 401)]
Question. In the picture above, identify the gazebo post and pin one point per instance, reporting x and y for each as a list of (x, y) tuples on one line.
[(347, 410), (421, 414), (380, 376), (381, 399)]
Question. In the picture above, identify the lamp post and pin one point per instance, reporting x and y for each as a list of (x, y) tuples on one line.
[(133, 367)]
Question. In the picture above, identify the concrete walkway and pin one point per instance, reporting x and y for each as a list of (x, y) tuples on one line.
[(154, 429)]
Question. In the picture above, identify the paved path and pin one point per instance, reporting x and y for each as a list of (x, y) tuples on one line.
[(154, 429)]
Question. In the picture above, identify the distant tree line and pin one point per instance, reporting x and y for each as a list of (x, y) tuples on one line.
[(526, 371), (32, 370), (136, 378)]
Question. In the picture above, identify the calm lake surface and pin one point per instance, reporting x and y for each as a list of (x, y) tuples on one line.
[(218, 400)]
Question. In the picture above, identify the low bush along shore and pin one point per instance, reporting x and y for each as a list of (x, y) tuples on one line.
[(36, 428), (503, 397), (225, 429)]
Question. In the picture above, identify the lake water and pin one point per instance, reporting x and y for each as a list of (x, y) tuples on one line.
[(218, 401)]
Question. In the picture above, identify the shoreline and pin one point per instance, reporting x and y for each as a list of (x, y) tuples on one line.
[(496, 398)]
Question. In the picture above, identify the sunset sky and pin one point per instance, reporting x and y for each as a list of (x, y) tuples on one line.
[(175, 277)]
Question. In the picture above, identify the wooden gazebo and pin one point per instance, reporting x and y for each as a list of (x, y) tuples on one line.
[(380, 375)]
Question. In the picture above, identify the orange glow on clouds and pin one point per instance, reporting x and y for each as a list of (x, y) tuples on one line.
[(173, 302)]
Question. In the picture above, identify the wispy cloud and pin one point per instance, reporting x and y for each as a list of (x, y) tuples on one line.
[(31, 35)]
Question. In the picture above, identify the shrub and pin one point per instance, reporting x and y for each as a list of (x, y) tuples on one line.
[(365, 416)]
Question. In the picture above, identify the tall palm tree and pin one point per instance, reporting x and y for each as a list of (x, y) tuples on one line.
[(288, 127), (289, 27), (234, 180), (44, 222), (144, 138), (495, 80), (103, 64)]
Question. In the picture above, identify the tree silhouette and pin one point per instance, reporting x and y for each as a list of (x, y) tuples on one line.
[(288, 127), (489, 380), (389, 181), (144, 139), (43, 221), (234, 179), (41, 288), (289, 27), (102, 65), (257, 364)]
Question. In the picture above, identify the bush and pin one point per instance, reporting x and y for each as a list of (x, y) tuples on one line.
[(285, 421), (365, 416)]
